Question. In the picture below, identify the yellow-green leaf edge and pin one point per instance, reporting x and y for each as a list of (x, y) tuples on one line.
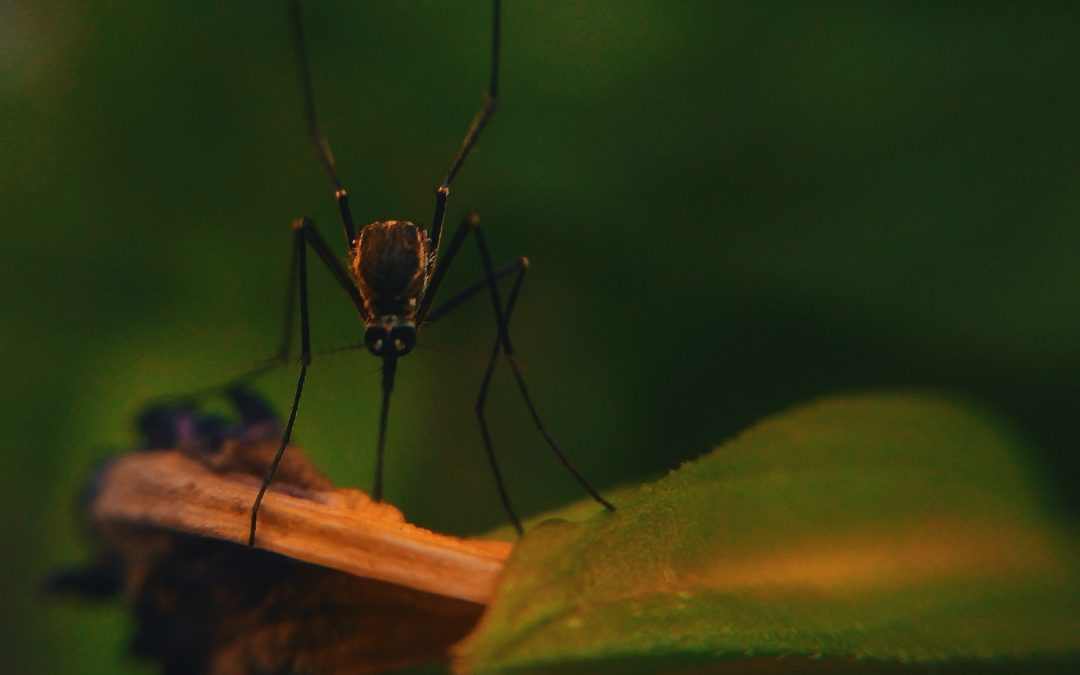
[(895, 529)]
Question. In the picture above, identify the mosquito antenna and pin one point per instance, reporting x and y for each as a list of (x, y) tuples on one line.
[(389, 367)]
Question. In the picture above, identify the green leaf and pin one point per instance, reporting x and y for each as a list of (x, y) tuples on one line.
[(859, 532)]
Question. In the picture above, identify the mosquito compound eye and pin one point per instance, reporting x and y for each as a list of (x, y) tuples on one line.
[(374, 340), (404, 338)]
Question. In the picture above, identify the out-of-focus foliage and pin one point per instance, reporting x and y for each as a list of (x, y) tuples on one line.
[(728, 209), (859, 531)]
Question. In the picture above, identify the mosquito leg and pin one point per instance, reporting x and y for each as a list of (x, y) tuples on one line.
[(290, 305), (483, 115), (429, 317), (300, 246), (491, 99), (333, 265), (481, 398), (425, 315), (447, 259), (314, 129), (466, 294), (282, 356), (508, 349), (306, 230)]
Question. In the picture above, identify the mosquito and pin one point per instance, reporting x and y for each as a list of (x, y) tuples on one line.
[(392, 272)]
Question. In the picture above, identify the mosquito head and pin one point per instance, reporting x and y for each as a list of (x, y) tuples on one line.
[(389, 334)]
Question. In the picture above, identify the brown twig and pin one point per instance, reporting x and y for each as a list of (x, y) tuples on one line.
[(337, 583), (336, 528)]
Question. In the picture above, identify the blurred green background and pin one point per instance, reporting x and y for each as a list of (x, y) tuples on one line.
[(729, 209)]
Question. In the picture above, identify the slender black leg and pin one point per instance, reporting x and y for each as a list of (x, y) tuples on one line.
[(290, 306), (491, 99), (333, 264), (282, 355), (481, 399), (487, 109), (346, 216), (471, 224), (305, 360), (508, 350), (307, 231), (468, 223), (424, 314), (462, 296), (518, 266), (314, 130)]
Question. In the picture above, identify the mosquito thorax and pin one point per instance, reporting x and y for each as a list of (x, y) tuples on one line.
[(389, 263), (389, 334)]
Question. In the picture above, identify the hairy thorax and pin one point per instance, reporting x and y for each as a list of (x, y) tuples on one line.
[(389, 263)]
